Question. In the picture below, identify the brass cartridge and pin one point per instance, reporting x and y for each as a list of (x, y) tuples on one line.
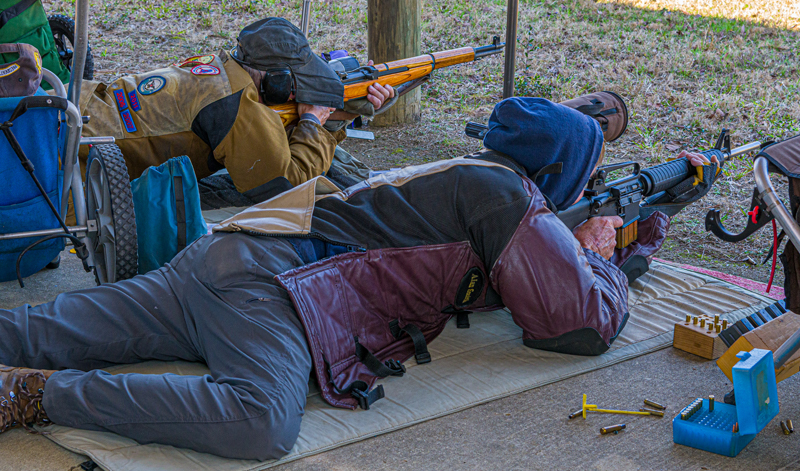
[(577, 413), (656, 413), (654, 404), (785, 428), (711, 403), (615, 429), (790, 426)]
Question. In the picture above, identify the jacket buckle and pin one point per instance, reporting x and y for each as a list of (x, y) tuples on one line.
[(423, 357), (400, 369)]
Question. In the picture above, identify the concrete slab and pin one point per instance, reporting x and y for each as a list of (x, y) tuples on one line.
[(43, 287), (526, 431), (531, 431)]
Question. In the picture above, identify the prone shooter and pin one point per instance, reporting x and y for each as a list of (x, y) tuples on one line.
[(666, 188)]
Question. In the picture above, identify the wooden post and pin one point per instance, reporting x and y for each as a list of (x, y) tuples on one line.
[(394, 33)]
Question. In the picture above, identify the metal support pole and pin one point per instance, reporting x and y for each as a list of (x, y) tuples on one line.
[(306, 17), (81, 45), (787, 222), (509, 71)]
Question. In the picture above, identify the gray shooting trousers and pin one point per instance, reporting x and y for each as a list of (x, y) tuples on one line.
[(217, 302)]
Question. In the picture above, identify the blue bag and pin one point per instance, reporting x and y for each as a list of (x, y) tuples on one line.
[(22, 207), (168, 217)]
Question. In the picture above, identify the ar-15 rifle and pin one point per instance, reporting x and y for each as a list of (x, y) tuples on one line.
[(638, 195), (404, 74)]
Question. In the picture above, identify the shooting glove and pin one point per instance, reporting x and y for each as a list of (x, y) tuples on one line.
[(635, 259), (684, 193), (694, 188)]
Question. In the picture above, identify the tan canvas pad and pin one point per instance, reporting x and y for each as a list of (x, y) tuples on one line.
[(470, 366)]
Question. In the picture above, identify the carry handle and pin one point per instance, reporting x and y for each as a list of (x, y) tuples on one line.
[(38, 102)]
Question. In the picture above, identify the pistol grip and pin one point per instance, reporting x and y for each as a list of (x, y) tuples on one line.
[(627, 234)]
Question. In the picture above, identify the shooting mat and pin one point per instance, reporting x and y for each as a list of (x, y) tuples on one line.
[(470, 366)]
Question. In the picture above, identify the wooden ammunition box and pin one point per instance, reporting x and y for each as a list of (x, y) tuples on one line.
[(769, 336)]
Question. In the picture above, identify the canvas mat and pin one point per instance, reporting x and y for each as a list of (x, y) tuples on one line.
[(470, 366)]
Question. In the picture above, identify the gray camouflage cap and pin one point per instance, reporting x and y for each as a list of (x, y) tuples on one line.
[(276, 42), (22, 76)]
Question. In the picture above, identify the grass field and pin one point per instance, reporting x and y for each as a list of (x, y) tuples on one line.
[(687, 69)]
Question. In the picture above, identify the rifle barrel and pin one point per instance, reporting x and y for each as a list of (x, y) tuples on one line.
[(483, 51), (749, 147)]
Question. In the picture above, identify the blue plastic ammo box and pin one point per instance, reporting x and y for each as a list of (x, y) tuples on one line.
[(756, 404)]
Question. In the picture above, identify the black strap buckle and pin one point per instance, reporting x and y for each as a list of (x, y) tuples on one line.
[(423, 357), (400, 369), (365, 399)]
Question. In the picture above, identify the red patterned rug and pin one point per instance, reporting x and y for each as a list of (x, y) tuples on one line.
[(775, 292)]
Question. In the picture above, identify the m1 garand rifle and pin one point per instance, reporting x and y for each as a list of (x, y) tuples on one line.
[(404, 75)]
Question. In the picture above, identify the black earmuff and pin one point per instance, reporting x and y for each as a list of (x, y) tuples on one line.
[(277, 86)]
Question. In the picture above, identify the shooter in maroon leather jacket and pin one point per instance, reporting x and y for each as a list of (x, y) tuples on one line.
[(345, 283)]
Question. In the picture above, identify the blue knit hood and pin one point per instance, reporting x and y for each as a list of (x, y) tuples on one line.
[(536, 132)]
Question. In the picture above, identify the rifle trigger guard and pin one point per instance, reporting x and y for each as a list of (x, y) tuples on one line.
[(757, 217)]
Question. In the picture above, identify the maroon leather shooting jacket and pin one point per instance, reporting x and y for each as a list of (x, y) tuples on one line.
[(426, 243)]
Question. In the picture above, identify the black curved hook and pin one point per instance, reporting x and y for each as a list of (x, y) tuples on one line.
[(757, 217)]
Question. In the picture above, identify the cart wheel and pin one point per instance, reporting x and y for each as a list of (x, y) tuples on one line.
[(63, 28), (109, 203)]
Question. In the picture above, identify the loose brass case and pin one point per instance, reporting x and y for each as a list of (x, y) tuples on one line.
[(577, 413), (654, 404), (656, 413), (790, 426), (785, 428), (612, 429)]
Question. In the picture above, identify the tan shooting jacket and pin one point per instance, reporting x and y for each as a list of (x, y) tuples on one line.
[(206, 108)]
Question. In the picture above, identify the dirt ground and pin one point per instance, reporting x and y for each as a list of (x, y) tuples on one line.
[(687, 69)]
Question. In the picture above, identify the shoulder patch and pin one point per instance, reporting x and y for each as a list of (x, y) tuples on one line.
[(470, 288), (127, 120), (151, 84), (119, 97), (133, 98), (205, 69), (207, 59)]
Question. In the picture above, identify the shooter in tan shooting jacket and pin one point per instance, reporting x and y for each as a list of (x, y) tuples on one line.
[(212, 109)]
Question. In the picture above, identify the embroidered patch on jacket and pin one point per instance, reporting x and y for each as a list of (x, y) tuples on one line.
[(205, 70), (127, 120), (198, 60), (470, 288), (119, 97), (9, 70), (151, 84), (134, 99)]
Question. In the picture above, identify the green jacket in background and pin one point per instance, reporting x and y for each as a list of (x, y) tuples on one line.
[(31, 27)]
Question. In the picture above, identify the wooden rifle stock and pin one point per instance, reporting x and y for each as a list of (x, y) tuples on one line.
[(395, 73)]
